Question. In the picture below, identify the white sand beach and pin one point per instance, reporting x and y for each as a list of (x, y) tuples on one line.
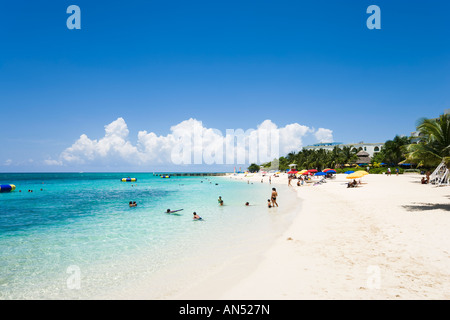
[(387, 239)]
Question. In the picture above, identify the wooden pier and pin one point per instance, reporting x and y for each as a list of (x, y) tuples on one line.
[(191, 174)]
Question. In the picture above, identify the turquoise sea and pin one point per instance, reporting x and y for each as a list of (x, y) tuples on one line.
[(77, 238)]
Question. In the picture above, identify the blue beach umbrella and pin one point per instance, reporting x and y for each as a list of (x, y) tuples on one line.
[(320, 174), (331, 171), (348, 172)]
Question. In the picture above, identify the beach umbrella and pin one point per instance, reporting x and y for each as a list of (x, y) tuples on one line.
[(306, 173), (331, 171), (312, 170), (320, 174), (356, 175), (292, 172), (303, 171), (325, 170), (348, 172)]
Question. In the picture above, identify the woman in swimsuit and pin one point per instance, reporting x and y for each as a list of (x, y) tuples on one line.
[(274, 197)]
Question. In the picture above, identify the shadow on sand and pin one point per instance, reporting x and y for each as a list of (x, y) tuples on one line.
[(427, 207)]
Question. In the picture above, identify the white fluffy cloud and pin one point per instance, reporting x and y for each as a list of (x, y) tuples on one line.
[(324, 135), (205, 145)]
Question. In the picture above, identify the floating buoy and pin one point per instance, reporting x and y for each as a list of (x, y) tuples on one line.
[(165, 177), (129, 179), (7, 187)]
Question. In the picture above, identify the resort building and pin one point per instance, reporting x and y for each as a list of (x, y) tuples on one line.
[(370, 148)]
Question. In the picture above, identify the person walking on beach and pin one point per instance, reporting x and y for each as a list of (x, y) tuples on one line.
[(389, 171), (396, 171), (270, 180), (274, 197)]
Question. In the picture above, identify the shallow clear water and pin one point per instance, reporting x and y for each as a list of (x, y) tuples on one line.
[(80, 227)]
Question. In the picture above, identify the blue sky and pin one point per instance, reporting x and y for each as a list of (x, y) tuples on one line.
[(229, 64)]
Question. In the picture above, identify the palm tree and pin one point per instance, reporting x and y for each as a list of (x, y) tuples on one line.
[(434, 142), (393, 150), (349, 155)]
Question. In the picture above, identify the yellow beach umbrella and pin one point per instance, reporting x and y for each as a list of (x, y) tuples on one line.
[(357, 175), (303, 171)]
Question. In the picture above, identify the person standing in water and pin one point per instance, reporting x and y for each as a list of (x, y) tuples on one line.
[(274, 197)]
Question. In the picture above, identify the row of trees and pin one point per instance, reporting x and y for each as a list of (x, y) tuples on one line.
[(432, 146)]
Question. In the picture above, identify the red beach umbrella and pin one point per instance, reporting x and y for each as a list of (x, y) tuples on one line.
[(312, 170)]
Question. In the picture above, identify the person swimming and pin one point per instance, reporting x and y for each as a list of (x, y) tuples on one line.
[(170, 211), (197, 217), (247, 204)]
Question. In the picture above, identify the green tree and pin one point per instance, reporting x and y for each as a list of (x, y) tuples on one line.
[(253, 168), (434, 142), (393, 151)]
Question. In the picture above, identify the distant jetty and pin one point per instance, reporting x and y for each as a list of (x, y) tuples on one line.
[(194, 174)]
